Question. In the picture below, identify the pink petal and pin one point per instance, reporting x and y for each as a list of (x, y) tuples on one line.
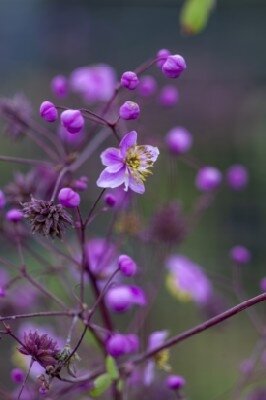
[(111, 180), (111, 156), (129, 140)]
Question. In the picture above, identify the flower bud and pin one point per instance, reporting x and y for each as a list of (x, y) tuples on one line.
[(237, 177), (17, 375), (109, 200), (121, 298), (14, 215), (174, 66), (59, 86), (240, 255), (147, 86), (69, 198), (126, 265), (178, 140), (48, 111), (2, 200), (129, 110), (208, 178), (162, 57), (175, 382), (81, 183), (129, 80), (169, 96), (118, 345), (72, 120)]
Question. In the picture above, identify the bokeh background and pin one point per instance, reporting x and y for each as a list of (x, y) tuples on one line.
[(222, 102)]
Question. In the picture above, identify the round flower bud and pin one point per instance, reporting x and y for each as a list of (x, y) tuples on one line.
[(48, 111), (122, 297), (68, 198), (237, 177), (126, 265), (129, 80), (175, 382), (162, 57), (17, 375), (174, 66), (2, 200), (240, 255), (147, 86), (169, 96), (81, 183), (263, 284), (59, 86), (72, 120), (208, 178), (118, 345), (178, 140), (129, 110), (109, 200), (14, 215)]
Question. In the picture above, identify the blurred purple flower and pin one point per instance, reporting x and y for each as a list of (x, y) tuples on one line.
[(96, 83), (102, 257), (122, 297), (187, 280)]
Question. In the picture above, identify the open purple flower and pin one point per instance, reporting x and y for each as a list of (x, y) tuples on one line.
[(129, 164)]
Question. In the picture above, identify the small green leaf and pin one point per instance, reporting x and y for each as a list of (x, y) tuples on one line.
[(101, 384), (111, 368), (120, 385), (194, 15)]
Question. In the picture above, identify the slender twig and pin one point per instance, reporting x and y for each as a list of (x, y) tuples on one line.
[(26, 378), (39, 314), (26, 161), (93, 208)]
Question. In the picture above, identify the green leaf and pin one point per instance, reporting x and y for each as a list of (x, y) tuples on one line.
[(101, 384), (111, 368), (194, 15)]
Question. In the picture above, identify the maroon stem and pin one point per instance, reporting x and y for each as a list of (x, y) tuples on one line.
[(202, 327)]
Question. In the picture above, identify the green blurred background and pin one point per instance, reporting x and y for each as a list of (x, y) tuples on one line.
[(222, 102)]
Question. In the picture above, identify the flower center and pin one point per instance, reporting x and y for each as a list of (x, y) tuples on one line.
[(133, 159)]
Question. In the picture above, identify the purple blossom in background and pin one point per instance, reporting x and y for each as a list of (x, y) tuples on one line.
[(59, 86), (122, 297), (102, 257), (178, 140), (147, 86), (240, 255), (95, 83), (237, 177), (156, 339), (129, 164), (208, 179), (187, 280), (169, 96)]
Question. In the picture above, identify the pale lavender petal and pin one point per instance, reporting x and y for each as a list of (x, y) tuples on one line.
[(111, 180), (136, 185), (156, 339), (138, 295), (152, 151), (128, 140), (111, 156), (149, 373)]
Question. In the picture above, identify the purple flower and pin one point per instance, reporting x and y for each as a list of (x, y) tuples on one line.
[(72, 120), (237, 177), (147, 86), (127, 266), (175, 382), (155, 340), (174, 66), (240, 255), (102, 257), (14, 215), (48, 111), (122, 297), (178, 140), (95, 83), (169, 96), (59, 86), (129, 80), (118, 345), (129, 110), (208, 179), (187, 280), (129, 164), (162, 57), (68, 198), (17, 375), (81, 183)]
